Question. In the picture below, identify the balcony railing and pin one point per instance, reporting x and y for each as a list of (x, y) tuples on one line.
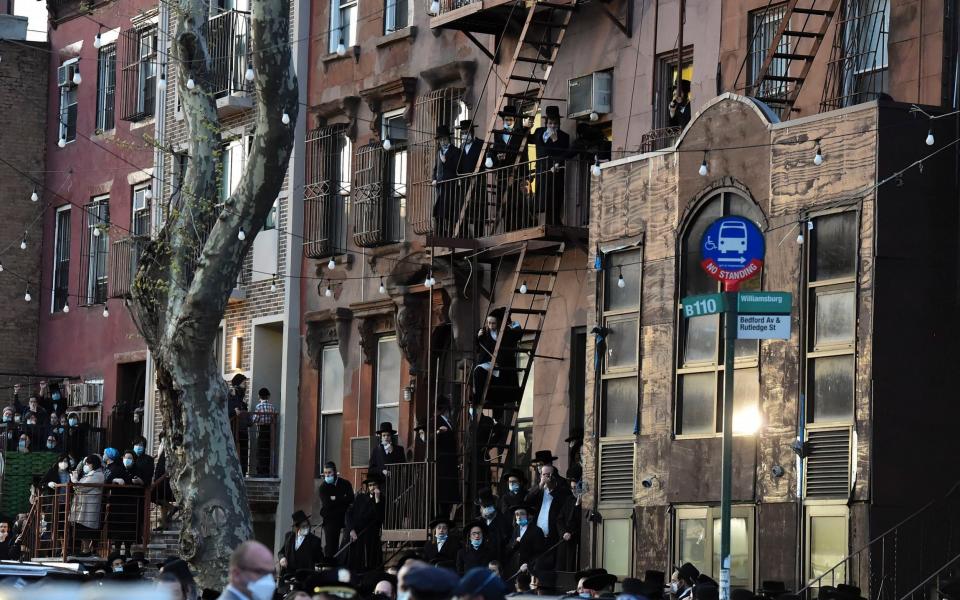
[(410, 493), (325, 215), (448, 5), (124, 259), (537, 193), (659, 139), (255, 435), (228, 42), (379, 202)]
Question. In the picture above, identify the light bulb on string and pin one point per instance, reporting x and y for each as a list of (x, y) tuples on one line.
[(148, 193), (191, 83), (23, 242), (523, 287), (273, 283), (429, 281), (488, 163), (62, 142), (66, 306), (77, 80), (328, 292), (34, 196), (620, 281), (703, 170), (26, 296), (97, 42), (595, 169), (382, 289), (341, 48), (387, 144), (285, 118), (106, 311), (594, 117), (930, 139), (248, 75), (818, 157), (96, 231), (241, 235), (434, 8), (161, 77), (331, 264), (800, 239), (1, 267)]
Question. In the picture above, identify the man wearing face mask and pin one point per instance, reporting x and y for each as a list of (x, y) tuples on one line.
[(514, 493), (301, 549), (471, 150), (446, 207), (336, 495), (479, 550), (443, 546), (549, 498), (33, 406), (23, 446), (497, 526), (363, 521), (143, 464), (251, 573), (75, 436), (553, 145), (509, 147), (526, 542), (683, 581), (386, 452)]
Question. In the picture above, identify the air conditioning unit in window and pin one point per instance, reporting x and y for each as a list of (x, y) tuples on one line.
[(589, 94), (65, 74)]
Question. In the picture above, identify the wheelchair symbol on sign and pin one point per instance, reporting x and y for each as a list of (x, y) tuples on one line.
[(709, 245)]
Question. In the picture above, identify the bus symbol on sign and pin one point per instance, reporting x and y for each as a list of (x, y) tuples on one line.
[(732, 251)]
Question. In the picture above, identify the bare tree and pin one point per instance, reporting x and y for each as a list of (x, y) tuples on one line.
[(187, 272)]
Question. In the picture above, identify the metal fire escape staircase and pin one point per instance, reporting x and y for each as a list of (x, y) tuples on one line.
[(528, 71), (791, 53)]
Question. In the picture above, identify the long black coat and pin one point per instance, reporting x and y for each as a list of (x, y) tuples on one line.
[(447, 553), (448, 462), (304, 558), (569, 521), (380, 459), (499, 530), (560, 495), (365, 517), (526, 549), (446, 208), (143, 467), (469, 157), (509, 151), (508, 500), (335, 499), (507, 357), (549, 184), (468, 558)]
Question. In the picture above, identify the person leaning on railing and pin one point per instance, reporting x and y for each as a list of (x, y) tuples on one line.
[(87, 501)]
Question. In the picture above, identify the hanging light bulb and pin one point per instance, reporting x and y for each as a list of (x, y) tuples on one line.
[(341, 48), (148, 193), (1, 267), (800, 235), (429, 280), (435, 7), (331, 264), (930, 139), (523, 287), (77, 80), (97, 42), (66, 307), (273, 283), (620, 282), (241, 235), (818, 157), (106, 311), (382, 289), (27, 297), (96, 231), (285, 118), (328, 291), (162, 77), (248, 75), (488, 163), (703, 170), (595, 168), (594, 116), (34, 196), (62, 142), (191, 84), (387, 144), (23, 242)]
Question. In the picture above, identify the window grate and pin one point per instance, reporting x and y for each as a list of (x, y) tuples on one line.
[(616, 472), (360, 452), (858, 67), (138, 74), (439, 107), (828, 463), (327, 191)]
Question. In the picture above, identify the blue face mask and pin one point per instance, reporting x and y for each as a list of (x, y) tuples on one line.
[(403, 595), (55, 396), (7, 418), (128, 462), (489, 511), (138, 450), (442, 538), (585, 595), (476, 544), (522, 522), (22, 444), (72, 422), (514, 487), (329, 479), (51, 445)]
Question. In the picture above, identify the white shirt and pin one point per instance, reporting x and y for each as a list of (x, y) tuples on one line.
[(440, 545), (523, 530), (296, 545), (546, 135), (543, 518), (466, 147)]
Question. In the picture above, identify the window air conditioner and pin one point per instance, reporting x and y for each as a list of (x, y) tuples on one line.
[(590, 93), (65, 74)]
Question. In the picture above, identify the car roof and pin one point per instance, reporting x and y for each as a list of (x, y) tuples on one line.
[(10, 568)]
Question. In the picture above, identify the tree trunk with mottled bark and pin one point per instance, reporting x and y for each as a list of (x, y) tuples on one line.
[(187, 272)]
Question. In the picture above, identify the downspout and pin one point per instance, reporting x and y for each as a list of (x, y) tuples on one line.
[(599, 337)]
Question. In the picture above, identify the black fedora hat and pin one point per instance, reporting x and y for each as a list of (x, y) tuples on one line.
[(372, 477), (524, 506), (441, 520), (443, 401), (466, 124), (543, 456), (475, 523), (590, 572), (299, 517), (509, 110), (514, 473), (576, 435), (442, 131), (486, 498), (551, 112), (600, 581), (386, 427)]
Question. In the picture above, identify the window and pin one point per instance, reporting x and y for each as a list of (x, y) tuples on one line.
[(388, 381), (395, 130), (666, 83), (331, 405), (832, 310), (700, 355), (858, 67), (616, 538), (826, 543), (326, 193), (98, 241), (106, 86), (141, 211), (68, 100), (343, 23), (764, 24), (523, 452), (698, 542), (395, 15), (61, 259), (139, 73), (232, 160), (621, 317)]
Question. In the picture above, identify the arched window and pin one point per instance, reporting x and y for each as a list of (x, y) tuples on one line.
[(700, 352)]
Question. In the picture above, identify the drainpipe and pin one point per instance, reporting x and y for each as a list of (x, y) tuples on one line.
[(599, 336)]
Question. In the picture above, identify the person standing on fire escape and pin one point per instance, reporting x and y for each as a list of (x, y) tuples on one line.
[(446, 209), (504, 392), (509, 146)]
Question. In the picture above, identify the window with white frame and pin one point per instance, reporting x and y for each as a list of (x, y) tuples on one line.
[(331, 405), (388, 381), (343, 24), (140, 225), (395, 15), (832, 305), (621, 366), (98, 242), (106, 86), (697, 532), (61, 260), (232, 160), (700, 354), (826, 542), (139, 72), (394, 128), (68, 99)]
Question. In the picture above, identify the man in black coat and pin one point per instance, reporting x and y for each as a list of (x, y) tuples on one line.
[(301, 549), (509, 147), (446, 208), (568, 527), (549, 499), (526, 542), (514, 492), (479, 550), (363, 521), (505, 384), (335, 494), (143, 464), (442, 546), (471, 149), (448, 458), (679, 107), (497, 525), (386, 452), (553, 146)]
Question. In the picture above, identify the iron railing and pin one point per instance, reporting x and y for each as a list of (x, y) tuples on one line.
[(858, 67), (228, 43), (325, 223), (901, 557), (659, 139), (930, 588), (411, 496), (449, 5), (439, 107), (501, 200), (124, 259), (326, 194), (255, 436), (379, 195)]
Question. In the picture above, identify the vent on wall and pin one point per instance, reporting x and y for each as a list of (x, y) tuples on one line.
[(616, 472), (828, 463), (359, 452)]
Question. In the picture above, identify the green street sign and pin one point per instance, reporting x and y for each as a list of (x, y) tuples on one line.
[(765, 303), (708, 304)]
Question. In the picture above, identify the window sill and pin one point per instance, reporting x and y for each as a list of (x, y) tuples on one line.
[(109, 133), (352, 51), (407, 33), (140, 124), (708, 436)]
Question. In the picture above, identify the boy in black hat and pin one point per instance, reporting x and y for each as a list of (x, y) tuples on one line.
[(509, 147), (513, 494), (479, 548), (335, 494), (386, 452), (553, 145), (471, 150), (363, 521), (442, 545), (301, 549), (446, 207), (497, 524), (526, 543)]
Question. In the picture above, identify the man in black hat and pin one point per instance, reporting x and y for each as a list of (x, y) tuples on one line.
[(471, 150), (386, 452), (549, 499), (575, 445), (446, 207), (509, 148), (513, 494), (683, 580), (568, 528), (363, 521), (442, 546), (504, 388), (680, 105), (447, 456), (526, 543), (545, 458), (553, 145), (301, 549), (479, 549), (335, 494), (498, 525)]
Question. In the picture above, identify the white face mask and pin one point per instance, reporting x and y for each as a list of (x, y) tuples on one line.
[(304, 530), (87, 468), (263, 588), (63, 466), (673, 587)]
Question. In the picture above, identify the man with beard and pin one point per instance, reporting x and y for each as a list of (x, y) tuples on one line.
[(363, 521), (301, 548), (549, 499)]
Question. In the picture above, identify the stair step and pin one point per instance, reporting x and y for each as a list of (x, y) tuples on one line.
[(792, 56), (819, 12), (783, 78), (530, 292), (539, 80), (556, 6), (542, 43), (773, 100), (536, 60), (536, 272), (525, 95), (528, 311), (803, 34)]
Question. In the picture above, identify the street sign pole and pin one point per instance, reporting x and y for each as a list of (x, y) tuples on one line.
[(726, 474)]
